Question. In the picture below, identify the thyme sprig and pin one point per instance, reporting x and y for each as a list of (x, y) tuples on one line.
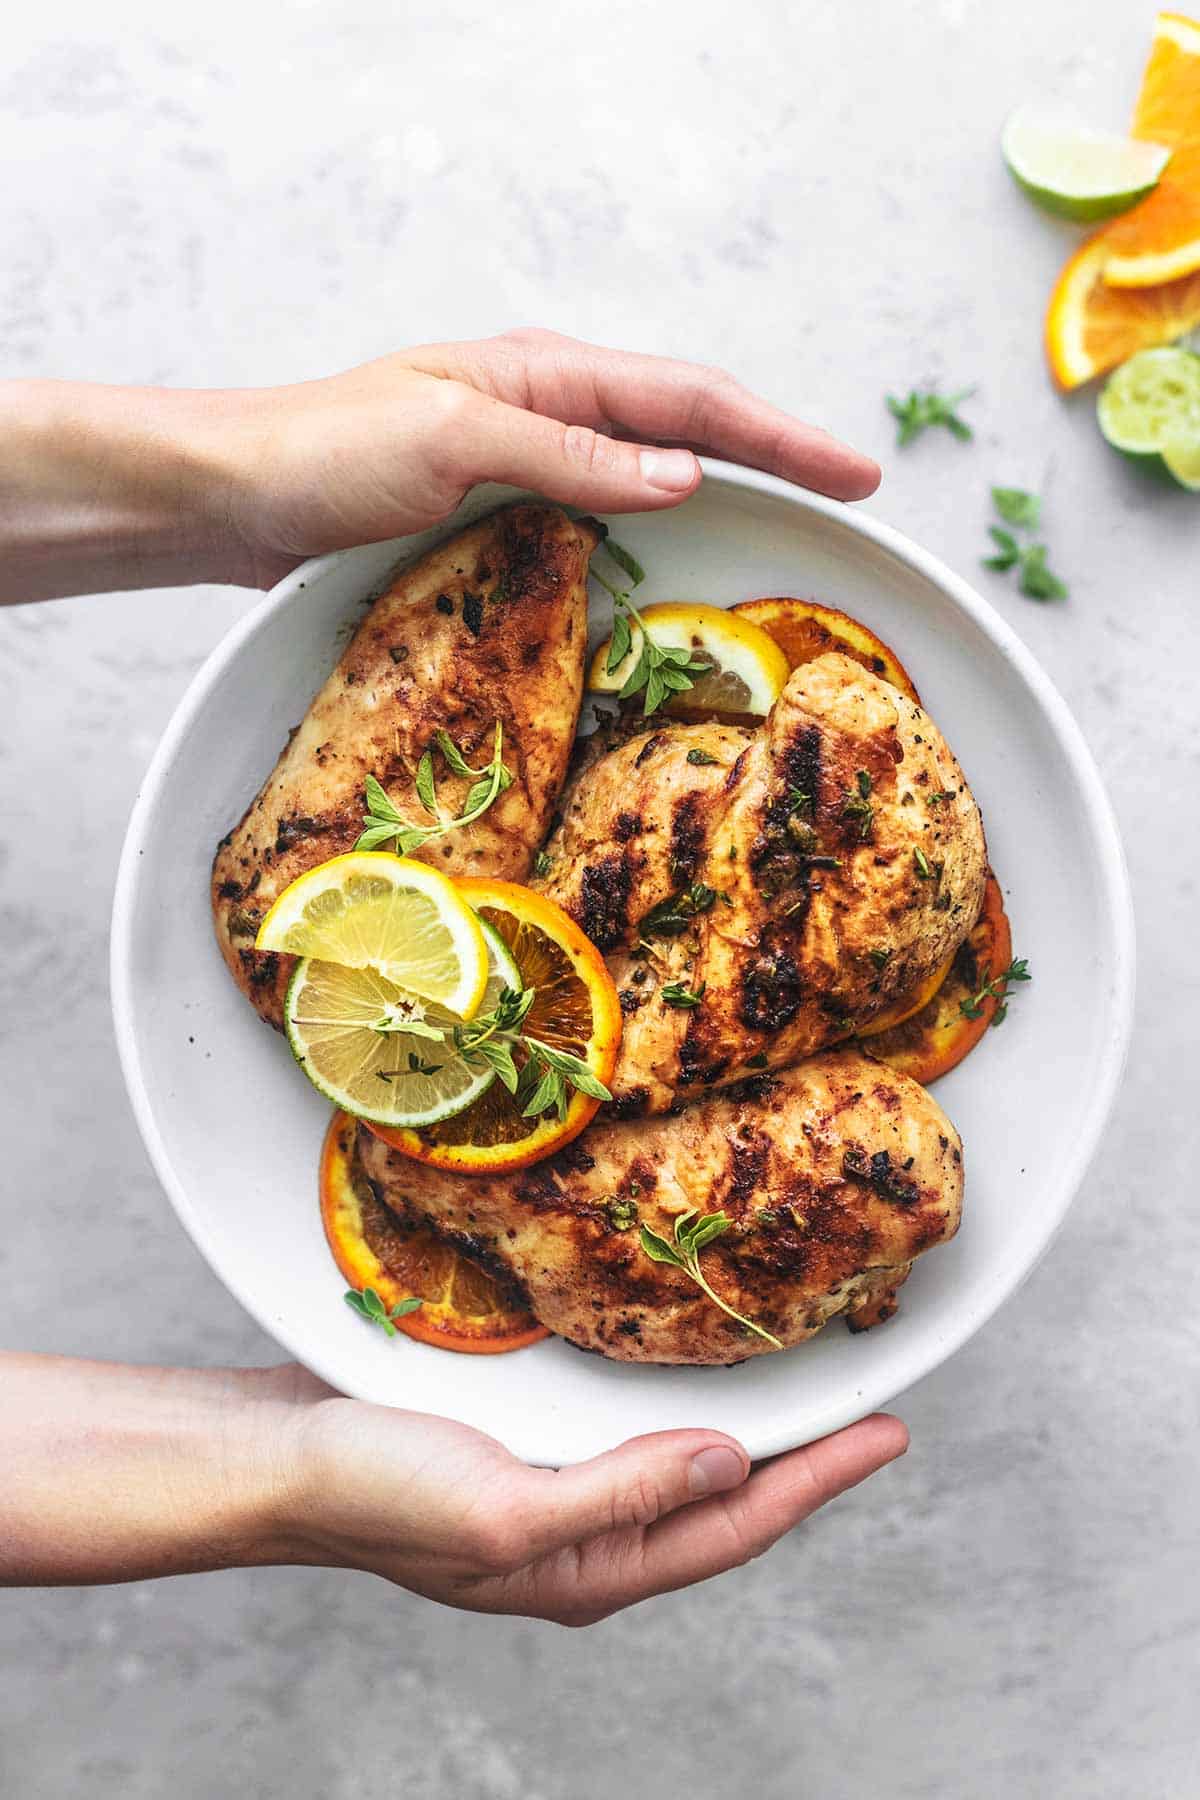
[(995, 988), (384, 824), (693, 1231), (661, 669)]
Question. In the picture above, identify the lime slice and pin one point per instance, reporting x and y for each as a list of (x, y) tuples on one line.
[(1074, 171), (347, 1030), (1150, 409), (372, 910)]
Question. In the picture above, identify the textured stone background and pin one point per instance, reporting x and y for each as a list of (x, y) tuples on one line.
[(810, 194)]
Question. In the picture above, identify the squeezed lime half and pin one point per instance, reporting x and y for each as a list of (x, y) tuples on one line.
[(1149, 409)]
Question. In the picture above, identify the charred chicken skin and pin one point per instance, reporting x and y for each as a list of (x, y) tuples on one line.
[(760, 894), (491, 625), (836, 1173)]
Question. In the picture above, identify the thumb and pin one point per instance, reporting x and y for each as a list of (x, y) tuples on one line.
[(634, 1485), (570, 463)]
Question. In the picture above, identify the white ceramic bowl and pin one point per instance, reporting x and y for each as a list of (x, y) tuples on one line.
[(234, 1130)]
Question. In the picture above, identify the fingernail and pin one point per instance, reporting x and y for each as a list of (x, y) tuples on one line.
[(672, 470), (715, 1471)]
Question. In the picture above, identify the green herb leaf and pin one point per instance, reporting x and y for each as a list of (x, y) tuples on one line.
[(1008, 550), (923, 867), (367, 1304), (1037, 581), (542, 864), (453, 754), (625, 562), (622, 638), (699, 758), (671, 917), (375, 836), (424, 784), (659, 1250), (417, 1067), (1016, 507), (676, 994)]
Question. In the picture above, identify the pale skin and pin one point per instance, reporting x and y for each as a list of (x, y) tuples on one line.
[(115, 1473)]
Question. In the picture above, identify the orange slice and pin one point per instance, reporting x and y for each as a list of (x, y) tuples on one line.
[(1159, 240), (935, 1039), (1091, 327), (464, 1308), (576, 1009), (804, 630)]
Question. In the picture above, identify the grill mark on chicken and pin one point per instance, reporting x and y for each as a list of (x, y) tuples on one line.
[(604, 899), (688, 836), (771, 988)]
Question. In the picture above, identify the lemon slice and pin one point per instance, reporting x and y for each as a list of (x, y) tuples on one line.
[(347, 1029), (372, 910), (1074, 171), (747, 669)]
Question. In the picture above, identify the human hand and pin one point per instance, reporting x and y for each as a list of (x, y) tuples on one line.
[(392, 447), (448, 1513)]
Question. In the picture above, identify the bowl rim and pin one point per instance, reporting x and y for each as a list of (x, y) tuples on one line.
[(1116, 908)]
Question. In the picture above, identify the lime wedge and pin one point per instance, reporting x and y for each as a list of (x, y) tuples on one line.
[(1150, 409), (1074, 171), (347, 1030)]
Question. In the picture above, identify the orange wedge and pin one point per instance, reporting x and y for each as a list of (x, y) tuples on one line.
[(1091, 327), (464, 1308), (804, 630), (1159, 240), (576, 1010)]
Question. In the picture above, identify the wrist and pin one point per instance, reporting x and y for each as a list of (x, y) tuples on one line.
[(107, 487)]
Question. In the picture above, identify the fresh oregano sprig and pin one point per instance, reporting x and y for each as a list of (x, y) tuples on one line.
[(384, 824), (368, 1305), (1023, 511), (541, 1084), (661, 669), (693, 1231), (921, 410)]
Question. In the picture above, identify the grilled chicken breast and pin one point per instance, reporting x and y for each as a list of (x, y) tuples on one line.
[(760, 894), (490, 625), (836, 1174)]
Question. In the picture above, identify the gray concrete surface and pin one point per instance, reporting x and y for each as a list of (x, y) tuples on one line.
[(811, 195)]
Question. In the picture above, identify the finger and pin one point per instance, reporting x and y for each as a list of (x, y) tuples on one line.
[(656, 399), (634, 1485), (573, 463), (728, 1530)]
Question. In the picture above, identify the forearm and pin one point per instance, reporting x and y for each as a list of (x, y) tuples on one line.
[(113, 1473), (104, 488)]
